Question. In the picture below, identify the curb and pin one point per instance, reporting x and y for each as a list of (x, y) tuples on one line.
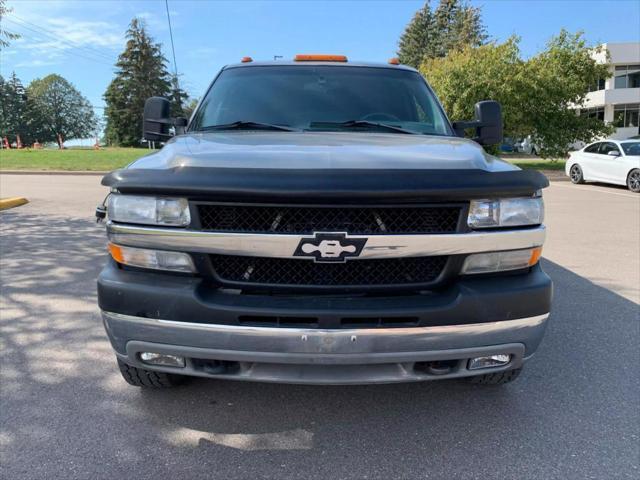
[(7, 203), (53, 172)]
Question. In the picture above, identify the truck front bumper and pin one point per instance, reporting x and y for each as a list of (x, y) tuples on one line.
[(297, 355), (186, 317)]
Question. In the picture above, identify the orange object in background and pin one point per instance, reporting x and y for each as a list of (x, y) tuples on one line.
[(319, 58), (246, 59), (394, 61)]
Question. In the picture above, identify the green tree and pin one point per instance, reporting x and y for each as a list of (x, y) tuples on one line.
[(13, 110), (452, 26), (417, 37), (141, 73), (563, 73), (57, 111), (5, 35), (539, 96), (179, 98), (190, 107)]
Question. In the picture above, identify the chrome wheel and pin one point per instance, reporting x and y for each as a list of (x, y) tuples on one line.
[(633, 180), (576, 174)]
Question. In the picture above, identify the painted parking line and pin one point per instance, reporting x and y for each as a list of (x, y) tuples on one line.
[(594, 188), (7, 203)]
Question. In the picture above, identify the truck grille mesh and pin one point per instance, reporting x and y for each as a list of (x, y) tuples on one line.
[(356, 273), (306, 220)]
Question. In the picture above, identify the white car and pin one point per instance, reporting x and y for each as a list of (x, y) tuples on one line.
[(527, 146), (607, 161)]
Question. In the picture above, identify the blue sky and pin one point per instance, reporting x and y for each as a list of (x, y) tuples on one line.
[(80, 40)]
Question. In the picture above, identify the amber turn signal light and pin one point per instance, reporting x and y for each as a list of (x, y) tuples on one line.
[(116, 253), (536, 253), (394, 61), (246, 59), (319, 58)]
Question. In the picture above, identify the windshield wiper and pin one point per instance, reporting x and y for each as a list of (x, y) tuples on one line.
[(360, 124), (242, 125)]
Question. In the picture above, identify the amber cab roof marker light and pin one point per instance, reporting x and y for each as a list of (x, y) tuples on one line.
[(246, 59), (319, 58), (394, 61)]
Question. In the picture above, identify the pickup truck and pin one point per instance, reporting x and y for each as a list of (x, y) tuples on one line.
[(320, 221)]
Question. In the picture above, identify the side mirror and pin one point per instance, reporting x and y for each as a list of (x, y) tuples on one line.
[(488, 123), (613, 153), (157, 121)]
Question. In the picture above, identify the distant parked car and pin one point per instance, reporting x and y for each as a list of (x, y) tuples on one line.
[(508, 145), (527, 146), (608, 161)]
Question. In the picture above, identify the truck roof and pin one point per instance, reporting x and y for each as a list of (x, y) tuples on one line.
[(328, 63)]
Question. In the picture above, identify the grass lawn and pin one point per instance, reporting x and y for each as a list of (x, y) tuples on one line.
[(71, 159), (540, 164), (535, 163)]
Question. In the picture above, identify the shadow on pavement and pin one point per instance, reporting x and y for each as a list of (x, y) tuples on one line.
[(67, 414)]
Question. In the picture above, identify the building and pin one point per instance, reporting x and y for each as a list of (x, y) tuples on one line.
[(617, 99)]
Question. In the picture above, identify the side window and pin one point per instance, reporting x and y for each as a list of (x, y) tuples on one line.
[(608, 147), (593, 148)]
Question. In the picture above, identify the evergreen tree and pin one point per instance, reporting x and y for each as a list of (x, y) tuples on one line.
[(432, 34), (178, 98), (13, 109), (415, 41), (141, 73), (5, 35), (56, 111)]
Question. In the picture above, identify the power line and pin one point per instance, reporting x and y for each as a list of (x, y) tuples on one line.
[(173, 50), (55, 36), (71, 50)]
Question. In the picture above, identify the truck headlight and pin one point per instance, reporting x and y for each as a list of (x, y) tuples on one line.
[(501, 261), (506, 212), (154, 259), (149, 210)]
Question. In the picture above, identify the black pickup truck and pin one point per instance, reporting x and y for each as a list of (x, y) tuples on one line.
[(322, 221)]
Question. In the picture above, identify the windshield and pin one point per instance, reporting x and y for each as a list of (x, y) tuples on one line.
[(321, 97), (631, 148)]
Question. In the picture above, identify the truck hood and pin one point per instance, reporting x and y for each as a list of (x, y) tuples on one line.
[(326, 168), (321, 151)]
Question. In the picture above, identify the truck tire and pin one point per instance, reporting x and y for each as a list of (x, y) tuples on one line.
[(140, 377), (495, 378)]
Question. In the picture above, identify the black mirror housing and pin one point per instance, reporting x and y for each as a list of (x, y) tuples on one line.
[(489, 115), (156, 120), (488, 123)]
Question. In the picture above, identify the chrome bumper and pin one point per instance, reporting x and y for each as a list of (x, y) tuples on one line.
[(294, 355)]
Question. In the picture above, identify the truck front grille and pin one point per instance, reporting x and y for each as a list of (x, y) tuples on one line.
[(306, 220), (281, 272)]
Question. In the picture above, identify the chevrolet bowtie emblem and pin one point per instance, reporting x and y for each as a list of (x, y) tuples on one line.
[(330, 247)]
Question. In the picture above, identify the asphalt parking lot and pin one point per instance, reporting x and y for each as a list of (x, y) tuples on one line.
[(66, 413)]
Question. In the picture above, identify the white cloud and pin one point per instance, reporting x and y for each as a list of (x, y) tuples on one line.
[(45, 40), (202, 52), (35, 63)]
